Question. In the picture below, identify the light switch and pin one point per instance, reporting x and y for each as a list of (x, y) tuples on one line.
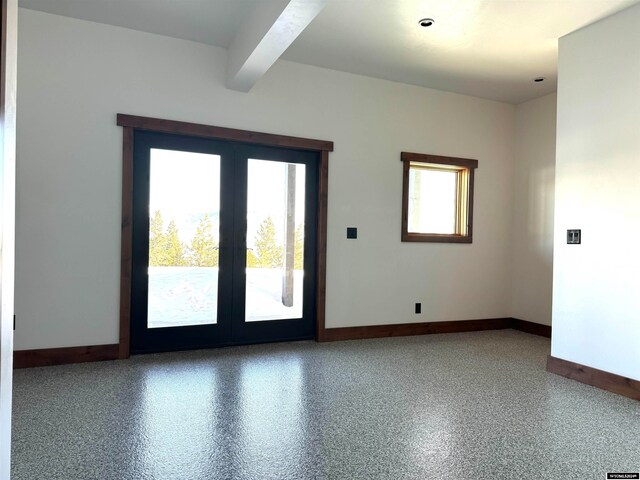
[(574, 237)]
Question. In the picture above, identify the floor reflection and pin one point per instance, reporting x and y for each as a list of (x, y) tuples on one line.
[(271, 412), (180, 420), (459, 406)]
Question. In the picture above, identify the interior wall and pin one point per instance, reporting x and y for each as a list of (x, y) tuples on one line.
[(532, 210), (74, 77), (8, 83), (596, 296)]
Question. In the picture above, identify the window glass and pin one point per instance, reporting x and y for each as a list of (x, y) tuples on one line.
[(432, 201)]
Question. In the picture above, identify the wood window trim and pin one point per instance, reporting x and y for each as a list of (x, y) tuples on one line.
[(131, 123), (469, 165)]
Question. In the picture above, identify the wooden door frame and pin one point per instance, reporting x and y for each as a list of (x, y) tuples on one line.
[(131, 123)]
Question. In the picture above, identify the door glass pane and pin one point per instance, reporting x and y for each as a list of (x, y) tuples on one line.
[(275, 240), (184, 231)]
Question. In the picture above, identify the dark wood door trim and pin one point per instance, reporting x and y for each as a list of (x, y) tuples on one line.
[(321, 245), (222, 133), (126, 243), (132, 123)]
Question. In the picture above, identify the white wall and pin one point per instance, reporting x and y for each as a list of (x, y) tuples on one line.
[(532, 210), (596, 292), (8, 26), (74, 76)]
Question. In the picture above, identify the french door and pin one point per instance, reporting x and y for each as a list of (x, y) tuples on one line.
[(224, 243)]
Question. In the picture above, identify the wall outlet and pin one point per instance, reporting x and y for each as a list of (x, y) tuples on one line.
[(352, 232), (418, 308)]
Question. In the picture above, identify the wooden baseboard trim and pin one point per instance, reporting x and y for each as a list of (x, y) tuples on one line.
[(60, 356), (531, 327), (407, 329), (594, 377)]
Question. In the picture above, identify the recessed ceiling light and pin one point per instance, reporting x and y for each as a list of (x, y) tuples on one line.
[(426, 22), (539, 79)]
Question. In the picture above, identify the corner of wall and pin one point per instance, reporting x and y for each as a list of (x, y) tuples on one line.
[(533, 210)]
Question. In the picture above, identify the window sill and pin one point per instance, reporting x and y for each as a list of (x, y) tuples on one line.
[(436, 238)]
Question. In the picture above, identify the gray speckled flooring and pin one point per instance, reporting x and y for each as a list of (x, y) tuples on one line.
[(457, 406)]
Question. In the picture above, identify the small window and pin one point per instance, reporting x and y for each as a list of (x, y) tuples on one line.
[(437, 198)]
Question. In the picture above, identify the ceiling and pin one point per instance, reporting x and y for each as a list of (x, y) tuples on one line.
[(486, 48)]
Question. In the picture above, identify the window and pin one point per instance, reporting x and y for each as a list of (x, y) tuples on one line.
[(437, 198)]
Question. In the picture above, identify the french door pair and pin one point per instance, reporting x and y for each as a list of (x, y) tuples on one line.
[(224, 243)]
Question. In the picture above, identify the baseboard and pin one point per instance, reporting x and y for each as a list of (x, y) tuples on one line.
[(407, 329), (95, 353), (59, 356), (427, 328), (594, 377), (531, 327)]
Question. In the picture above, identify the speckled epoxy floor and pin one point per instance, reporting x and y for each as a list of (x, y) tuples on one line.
[(457, 406)]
